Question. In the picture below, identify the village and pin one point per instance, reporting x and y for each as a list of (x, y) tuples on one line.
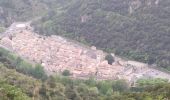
[(56, 54)]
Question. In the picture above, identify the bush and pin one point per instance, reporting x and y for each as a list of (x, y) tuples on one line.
[(38, 72), (66, 73), (9, 92)]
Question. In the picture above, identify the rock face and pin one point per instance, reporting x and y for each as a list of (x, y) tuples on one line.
[(57, 54)]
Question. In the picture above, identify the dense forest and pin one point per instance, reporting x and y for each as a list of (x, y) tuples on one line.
[(19, 10), (19, 83), (136, 29)]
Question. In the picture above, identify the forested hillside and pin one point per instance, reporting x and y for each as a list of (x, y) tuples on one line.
[(19, 10), (137, 29)]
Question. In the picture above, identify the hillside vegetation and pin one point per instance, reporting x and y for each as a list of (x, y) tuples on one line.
[(137, 30), (19, 10)]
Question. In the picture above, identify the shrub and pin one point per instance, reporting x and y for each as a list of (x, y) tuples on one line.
[(38, 72), (66, 73)]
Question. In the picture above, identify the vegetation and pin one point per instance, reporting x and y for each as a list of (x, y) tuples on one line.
[(146, 82), (66, 73), (13, 61), (110, 59), (9, 92), (19, 10), (16, 86)]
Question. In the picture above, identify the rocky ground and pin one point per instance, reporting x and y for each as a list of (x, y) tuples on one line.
[(57, 54)]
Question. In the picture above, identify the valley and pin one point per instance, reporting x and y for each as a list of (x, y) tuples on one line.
[(84, 49)]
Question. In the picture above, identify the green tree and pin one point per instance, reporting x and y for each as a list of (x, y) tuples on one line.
[(110, 59)]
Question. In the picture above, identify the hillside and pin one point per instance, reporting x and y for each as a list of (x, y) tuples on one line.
[(19, 10), (15, 86), (137, 29), (56, 58)]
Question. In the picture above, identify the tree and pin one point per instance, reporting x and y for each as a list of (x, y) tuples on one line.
[(110, 59)]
